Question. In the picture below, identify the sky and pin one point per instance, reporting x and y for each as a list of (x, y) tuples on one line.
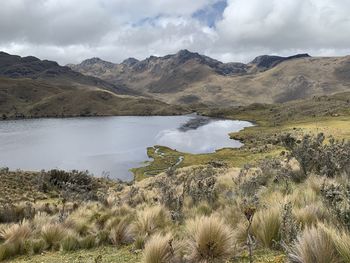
[(69, 31)]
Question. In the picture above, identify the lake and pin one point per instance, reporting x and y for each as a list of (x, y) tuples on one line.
[(106, 145)]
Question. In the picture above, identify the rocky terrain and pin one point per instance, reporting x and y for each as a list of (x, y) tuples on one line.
[(190, 78)]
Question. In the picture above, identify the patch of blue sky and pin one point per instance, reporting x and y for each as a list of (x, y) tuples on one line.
[(211, 13)]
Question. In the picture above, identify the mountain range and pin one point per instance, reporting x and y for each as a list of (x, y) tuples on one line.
[(190, 78), (30, 87), (172, 84)]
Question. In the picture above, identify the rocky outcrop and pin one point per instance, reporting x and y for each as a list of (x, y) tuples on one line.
[(267, 62)]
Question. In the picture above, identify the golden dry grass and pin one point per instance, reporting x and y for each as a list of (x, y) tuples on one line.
[(209, 239)]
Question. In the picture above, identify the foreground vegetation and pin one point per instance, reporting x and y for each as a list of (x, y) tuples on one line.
[(283, 197), (294, 207)]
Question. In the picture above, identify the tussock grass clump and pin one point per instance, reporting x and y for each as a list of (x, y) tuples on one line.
[(341, 240), (314, 244), (41, 219), (70, 242), (311, 214), (210, 239), (203, 208), (304, 196), (52, 234), (16, 232), (120, 233), (102, 237), (266, 226), (161, 249), (37, 246), (139, 242), (150, 220), (87, 242), (11, 249)]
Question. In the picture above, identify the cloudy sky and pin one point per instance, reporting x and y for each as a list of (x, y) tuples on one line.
[(69, 31)]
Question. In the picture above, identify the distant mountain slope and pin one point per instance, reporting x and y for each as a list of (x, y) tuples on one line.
[(27, 98), (12, 66), (188, 78), (30, 87)]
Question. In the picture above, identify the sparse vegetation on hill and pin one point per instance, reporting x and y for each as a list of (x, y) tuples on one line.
[(26, 98), (191, 78), (33, 88)]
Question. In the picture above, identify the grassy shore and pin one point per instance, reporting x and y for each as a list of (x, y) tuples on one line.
[(166, 212), (326, 114)]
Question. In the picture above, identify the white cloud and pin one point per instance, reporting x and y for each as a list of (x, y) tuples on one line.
[(286, 25), (69, 31)]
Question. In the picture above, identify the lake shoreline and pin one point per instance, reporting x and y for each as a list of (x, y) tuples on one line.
[(92, 116), (110, 145)]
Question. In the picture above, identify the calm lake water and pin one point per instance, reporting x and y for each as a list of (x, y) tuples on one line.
[(105, 145)]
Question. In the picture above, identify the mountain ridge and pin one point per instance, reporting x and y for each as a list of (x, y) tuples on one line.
[(190, 78), (33, 88)]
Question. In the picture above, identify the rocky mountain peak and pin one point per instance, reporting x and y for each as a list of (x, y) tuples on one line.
[(184, 55), (130, 62), (96, 61)]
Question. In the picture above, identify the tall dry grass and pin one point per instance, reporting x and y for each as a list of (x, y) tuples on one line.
[(151, 219), (209, 239), (313, 245), (52, 234), (161, 249), (16, 232), (341, 240), (266, 226), (120, 233)]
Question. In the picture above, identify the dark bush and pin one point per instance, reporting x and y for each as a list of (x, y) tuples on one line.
[(315, 155)]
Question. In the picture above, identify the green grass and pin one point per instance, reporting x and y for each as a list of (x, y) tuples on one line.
[(329, 115), (125, 255), (169, 157), (105, 254)]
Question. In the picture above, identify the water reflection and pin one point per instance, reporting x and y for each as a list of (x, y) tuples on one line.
[(112, 145)]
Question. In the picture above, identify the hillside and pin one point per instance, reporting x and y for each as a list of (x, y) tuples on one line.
[(191, 78), (16, 67), (30, 87), (282, 197)]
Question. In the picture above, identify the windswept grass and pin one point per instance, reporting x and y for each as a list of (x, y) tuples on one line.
[(341, 241), (16, 232), (266, 226), (314, 244), (209, 240), (161, 249), (120, 232), (151, 219), (52, 234)]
